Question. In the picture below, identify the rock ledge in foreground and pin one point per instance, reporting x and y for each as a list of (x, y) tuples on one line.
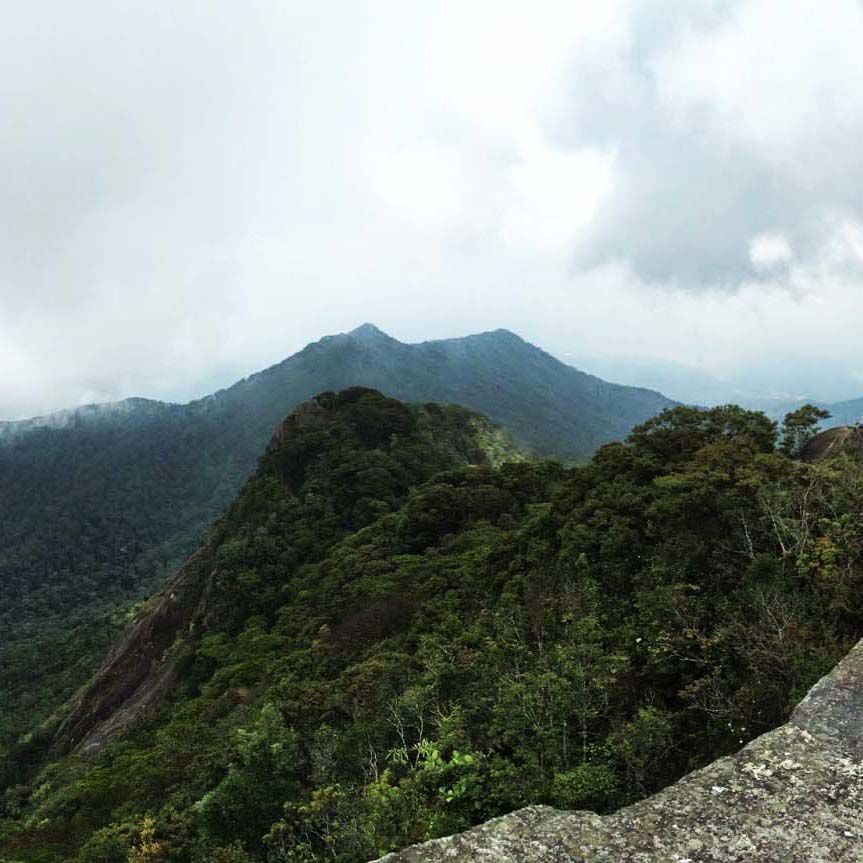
[(793, 795)]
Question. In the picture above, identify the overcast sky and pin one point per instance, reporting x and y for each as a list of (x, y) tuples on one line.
[(190, 191)]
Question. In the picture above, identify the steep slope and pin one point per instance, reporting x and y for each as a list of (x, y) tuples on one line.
[(795, 793), (387, 639), (100, 504), (834, 442)]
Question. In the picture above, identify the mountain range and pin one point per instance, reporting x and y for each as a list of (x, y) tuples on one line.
[(99, 504), (549, 407), (845, 413), (402, 627)]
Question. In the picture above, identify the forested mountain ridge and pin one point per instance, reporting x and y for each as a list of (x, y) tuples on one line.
[(579, 412), (359, 450), (378, 646), (99, 504)]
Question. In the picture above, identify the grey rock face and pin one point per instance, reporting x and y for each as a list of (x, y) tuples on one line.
[(794, 795)]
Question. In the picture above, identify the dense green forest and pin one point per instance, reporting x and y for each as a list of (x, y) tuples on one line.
[(397, 631), (99, 505)]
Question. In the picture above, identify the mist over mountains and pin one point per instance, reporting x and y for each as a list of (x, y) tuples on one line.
[(758, 389), (553, 552)]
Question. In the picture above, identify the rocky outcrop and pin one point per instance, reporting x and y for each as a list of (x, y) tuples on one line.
[(833, 442), (147, 661), (143, 666), (792, 795)]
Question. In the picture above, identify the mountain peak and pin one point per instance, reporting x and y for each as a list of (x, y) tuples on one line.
[(503, 335), (369, 333)]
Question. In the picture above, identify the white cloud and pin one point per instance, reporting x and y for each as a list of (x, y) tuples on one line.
[(191, 191), (769, 250), (782, 81)]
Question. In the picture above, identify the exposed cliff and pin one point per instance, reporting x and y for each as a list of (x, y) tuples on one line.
[(142, 667), (832, 442), (793, 794)]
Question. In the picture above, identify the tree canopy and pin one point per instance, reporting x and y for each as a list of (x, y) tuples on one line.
[(403, 639)]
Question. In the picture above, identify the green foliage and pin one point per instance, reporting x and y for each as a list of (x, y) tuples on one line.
[(233, 853), (397, 645), (585, 783), (109, 845), (244, 804)]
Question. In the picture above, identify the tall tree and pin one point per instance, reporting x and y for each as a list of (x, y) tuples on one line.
[(799, 427)]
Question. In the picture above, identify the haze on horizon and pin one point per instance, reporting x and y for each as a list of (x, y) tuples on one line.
[(194, 190)]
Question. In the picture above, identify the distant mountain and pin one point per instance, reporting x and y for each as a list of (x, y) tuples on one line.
[(549, 407), (99, 504), (558, 410), (690, 384), (845, 413)]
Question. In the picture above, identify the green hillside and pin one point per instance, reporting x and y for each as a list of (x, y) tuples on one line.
[(395, 633), (100, 504)]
